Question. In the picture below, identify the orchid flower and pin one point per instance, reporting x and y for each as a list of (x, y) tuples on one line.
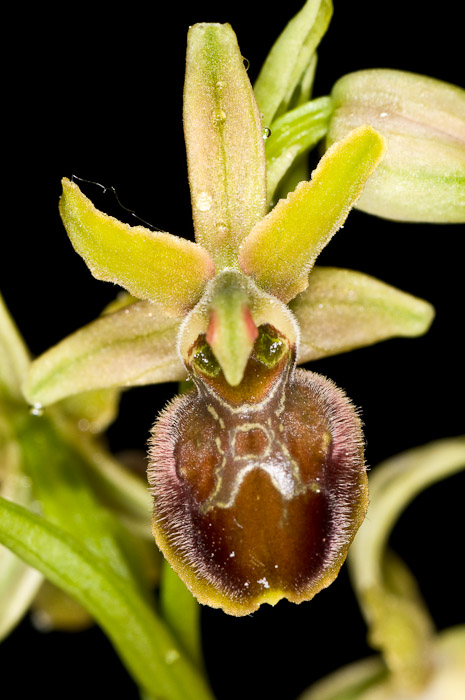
[(257, 472)]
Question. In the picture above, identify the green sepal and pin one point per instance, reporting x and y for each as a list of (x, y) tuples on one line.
[(350, 682), (143, 642), (130, 347), (151, 265), (398, 623), (369, 678), (422, 177), (342, 310), (60, 485), (224, 142), (282, 248), (14, 356), (292, 135), (289, 60), (94, 411)]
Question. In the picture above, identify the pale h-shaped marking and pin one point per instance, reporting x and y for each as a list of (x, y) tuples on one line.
[(274, 460)]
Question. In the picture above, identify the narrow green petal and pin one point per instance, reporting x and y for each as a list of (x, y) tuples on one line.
[(133, 346), (342, 310), (290, 57), (224, 142), (282, 248), (181, 612), (422, 177), (14, 356), (293, 134), (143, 642), (151, 265)]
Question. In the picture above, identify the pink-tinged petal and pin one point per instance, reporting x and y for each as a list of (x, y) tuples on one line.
[(224, 142)]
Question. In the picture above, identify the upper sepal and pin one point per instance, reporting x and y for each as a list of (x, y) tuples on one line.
[(422, 177), (151, 265), (224, 142)]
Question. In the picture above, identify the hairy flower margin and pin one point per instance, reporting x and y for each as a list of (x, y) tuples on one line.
[(257, 472)]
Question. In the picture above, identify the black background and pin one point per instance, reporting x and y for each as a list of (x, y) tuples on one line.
[(97, 92)]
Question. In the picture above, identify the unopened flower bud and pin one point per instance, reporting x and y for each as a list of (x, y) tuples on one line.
[(258, 488), (422, 175)]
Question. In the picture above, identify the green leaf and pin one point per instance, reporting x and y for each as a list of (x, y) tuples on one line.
[(18, 582), (422, 177), (151, 265), (144, 643), (290, 58), (282, 248), (124, 492), (133, 346), (14, 356), (181, 612), (293, 134), (342, 310), (224, 142), (59, 482)]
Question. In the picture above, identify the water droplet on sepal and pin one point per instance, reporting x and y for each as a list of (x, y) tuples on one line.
[(204, 201)]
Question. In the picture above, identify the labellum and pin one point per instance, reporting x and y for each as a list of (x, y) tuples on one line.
[(258, 488)]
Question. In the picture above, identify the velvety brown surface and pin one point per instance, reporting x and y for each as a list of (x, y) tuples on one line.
[(261, 487)]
